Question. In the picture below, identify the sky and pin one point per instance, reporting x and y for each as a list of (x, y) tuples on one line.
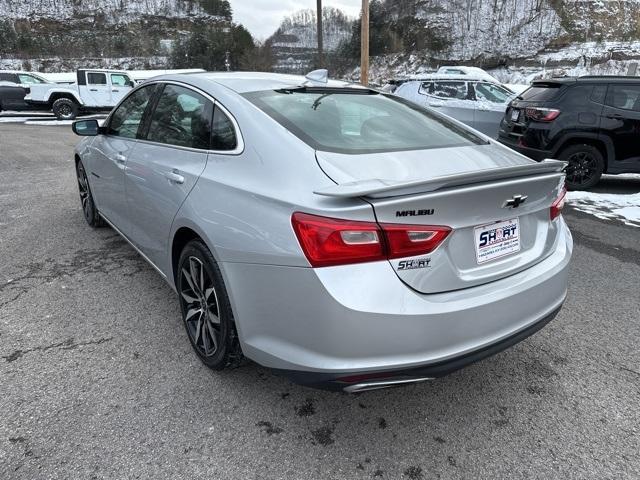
[(262, 17)]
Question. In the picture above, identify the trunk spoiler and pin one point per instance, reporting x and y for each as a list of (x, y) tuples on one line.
[(376, 187)]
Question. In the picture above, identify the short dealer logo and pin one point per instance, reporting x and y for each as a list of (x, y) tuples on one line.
[(414, 213), (413, 264)]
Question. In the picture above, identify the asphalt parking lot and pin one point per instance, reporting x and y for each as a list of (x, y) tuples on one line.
[(98, 380)]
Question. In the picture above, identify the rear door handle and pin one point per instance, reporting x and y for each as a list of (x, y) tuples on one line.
[(93, 89), (115, 90), (614, 115), (174, 177)]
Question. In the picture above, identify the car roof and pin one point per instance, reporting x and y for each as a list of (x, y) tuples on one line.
[(37, 74), (442, 76), (244, 82), (588, 79)]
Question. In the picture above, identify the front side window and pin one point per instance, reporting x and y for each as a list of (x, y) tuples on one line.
[(183, 118), (359, 121), (119, 80), (94, 78), (489, 92), (30, 79), (626, 97), (453, 90), (125, 121)]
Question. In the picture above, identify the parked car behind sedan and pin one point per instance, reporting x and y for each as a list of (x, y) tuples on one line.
[(345, 238), (477, 103), (592, 122), (14, 85)]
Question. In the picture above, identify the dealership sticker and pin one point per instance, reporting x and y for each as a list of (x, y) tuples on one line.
[(497, 240)]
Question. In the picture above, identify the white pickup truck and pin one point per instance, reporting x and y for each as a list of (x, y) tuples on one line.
[(95, 90)]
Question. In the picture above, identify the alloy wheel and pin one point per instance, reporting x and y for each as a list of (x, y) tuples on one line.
[(581, 169), (65, 111), (200, 300), (85, 195)]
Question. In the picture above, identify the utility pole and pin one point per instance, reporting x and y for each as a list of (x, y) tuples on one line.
[(364, 44), (320, 40)]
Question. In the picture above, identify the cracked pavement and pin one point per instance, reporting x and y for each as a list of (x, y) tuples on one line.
[(98, 381)]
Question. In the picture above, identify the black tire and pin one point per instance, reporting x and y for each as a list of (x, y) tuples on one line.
[(89, 209), (585, 167), (211, 330), (65, 109)]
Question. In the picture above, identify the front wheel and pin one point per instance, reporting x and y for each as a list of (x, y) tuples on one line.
[(206, 310), (585, 167)]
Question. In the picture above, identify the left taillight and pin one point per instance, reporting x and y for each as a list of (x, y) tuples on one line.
[(330, 241), (540, 114), (558, 204)]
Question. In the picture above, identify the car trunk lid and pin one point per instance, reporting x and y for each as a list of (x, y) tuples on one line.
[(474, 191)]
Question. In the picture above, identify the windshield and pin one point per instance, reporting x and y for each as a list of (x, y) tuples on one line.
[(364, 121)]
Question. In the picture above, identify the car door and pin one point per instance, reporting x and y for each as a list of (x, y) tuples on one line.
[(109, 154), (98, 91), (121, 84), (451, 97), (491, 102), (621, 122), (166, 165)]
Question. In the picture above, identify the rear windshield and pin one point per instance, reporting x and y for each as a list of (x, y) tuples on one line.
[(352, 122), (540, 93)]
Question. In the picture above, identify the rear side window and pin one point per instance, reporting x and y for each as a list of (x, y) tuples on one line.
[(456, 90), (541, 93), (96, 78), (350, 121), (182, 118), (125, 121), (625, 97), (489, 92), (224, 133), (8, 77)]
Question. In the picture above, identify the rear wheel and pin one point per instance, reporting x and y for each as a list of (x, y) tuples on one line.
[(585, 167), (89, 209), (65, 109), (206, 310)]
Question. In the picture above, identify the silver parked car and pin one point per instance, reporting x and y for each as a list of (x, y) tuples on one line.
[(346, 238), (476, 102)]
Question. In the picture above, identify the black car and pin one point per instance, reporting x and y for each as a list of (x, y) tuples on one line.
[(591, 122), (14, 86)]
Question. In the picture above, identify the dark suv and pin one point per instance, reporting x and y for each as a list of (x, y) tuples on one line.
[(592, 122)]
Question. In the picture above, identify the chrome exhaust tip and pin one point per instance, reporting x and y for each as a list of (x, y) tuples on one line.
[(379, 384)]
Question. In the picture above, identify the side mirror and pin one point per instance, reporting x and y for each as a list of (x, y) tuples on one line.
[(131, 83), (86, 128)]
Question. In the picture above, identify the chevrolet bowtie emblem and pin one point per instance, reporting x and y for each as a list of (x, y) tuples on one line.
[(515, 202)]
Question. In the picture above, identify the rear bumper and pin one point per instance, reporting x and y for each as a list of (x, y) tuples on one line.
[(533, 153), (355, 383), (316, 325)]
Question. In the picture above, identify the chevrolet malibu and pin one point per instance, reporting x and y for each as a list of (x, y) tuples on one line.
[(343, 237)]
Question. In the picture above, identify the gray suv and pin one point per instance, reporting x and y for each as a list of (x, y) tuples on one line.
[(346, 238)]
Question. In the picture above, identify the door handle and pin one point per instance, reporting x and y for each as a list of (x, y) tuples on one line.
[(121, 159), (115, 90), (174, 177), (93, 89), (614, 115), (436, 104)]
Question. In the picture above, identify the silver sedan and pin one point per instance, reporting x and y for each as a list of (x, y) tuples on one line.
[(343, 237)]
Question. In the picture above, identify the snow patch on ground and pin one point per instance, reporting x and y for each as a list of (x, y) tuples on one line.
[(608, 206)]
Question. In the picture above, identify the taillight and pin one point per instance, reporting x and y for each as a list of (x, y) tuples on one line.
[(540, 114), (330, 241), (412, 240), (558, 204)]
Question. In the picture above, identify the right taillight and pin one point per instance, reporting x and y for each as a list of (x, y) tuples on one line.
[(558, 204), (330, 241), (540, 114)]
